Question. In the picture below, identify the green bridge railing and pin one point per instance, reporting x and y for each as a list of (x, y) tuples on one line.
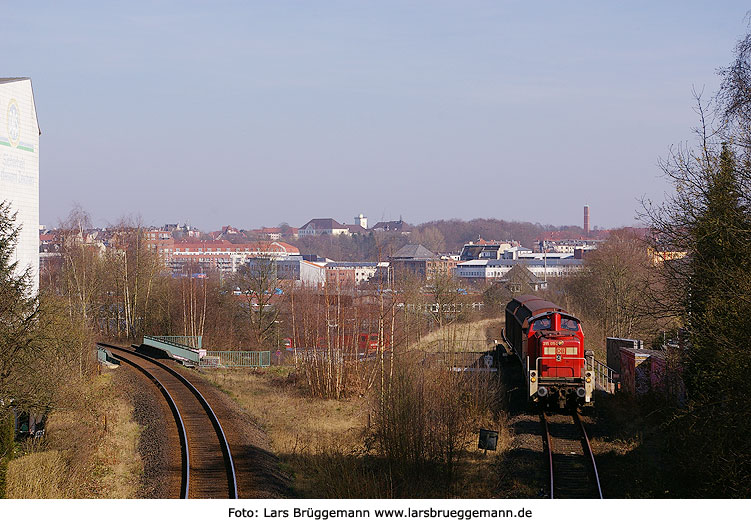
[(176, 346), (186, 348), (191, 342), (236, 359)]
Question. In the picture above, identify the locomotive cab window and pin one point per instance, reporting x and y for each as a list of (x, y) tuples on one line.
[(569, 324), (541, 324)]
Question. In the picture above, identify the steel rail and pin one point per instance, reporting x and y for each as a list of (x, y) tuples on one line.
[(185, 479), (549, 443), (224, 444), (588, 448)]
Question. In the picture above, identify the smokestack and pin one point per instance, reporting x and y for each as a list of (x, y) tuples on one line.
[(586, 220)]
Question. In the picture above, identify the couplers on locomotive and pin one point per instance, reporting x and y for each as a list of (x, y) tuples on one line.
[(566, 395)]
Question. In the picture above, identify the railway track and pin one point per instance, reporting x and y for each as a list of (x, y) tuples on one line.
[(208, 470), (573, 471)]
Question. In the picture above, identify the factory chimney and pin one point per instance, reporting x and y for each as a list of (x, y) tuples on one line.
[(586, 220)]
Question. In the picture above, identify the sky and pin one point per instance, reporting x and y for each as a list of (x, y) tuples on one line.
[(257, 113)]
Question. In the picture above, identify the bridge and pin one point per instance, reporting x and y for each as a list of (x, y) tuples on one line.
[(188, 350)]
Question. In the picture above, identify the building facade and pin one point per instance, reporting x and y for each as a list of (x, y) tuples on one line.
[(490, 270), (223, 256), (19, 168), (327, 226)]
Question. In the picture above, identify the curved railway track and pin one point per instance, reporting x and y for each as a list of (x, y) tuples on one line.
[(208, 470), (573, 471)]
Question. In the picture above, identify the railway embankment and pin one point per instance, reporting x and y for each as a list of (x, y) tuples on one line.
[(89, 450)]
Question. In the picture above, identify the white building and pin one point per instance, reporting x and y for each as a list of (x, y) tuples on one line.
[(488, 270), (362, 221), (19, 167), (327, 226), (302, 272)]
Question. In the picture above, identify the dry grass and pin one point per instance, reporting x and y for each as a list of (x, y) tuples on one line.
[(326, 446), (317, 441), (294, 421), (117, 461), (91, 451), (475, 475), (37, 475), (461, 337)]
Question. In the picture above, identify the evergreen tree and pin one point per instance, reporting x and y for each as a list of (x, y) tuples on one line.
[(708, 218), (18, 308), (718, 263)]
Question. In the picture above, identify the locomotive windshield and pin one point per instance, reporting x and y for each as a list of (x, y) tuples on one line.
[(569, 324), (541, 324)]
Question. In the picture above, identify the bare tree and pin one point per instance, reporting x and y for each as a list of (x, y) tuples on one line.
[(259, 284), (193, 290), (81, 271), (613, 288), (135, 270)]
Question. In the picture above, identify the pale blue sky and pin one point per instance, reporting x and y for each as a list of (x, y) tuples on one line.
[(254, 113)]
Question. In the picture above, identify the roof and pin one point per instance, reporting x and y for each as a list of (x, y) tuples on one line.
[(413, 251), (645, 352), (520, 269), (526, 262), (348, 264), (392, 225), (527, 306), (356, 228), (323, 224), (483, 242), (536, 304), (13, 79)]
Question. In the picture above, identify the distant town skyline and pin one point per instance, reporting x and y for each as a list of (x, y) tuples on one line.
[(253, 114), (104, 223)]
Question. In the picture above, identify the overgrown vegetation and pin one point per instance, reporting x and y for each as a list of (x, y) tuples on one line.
[(47, 370), (612, 293), (418, 441), (89, 450)]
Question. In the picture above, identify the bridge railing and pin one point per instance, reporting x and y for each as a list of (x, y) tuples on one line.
[(236, 359), (191, 342), (175, 347)]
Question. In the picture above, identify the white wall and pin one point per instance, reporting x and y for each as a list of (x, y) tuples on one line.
[(312, 274), (19, 167)]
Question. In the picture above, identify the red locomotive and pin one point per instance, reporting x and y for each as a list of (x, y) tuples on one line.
[(550, 344)]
